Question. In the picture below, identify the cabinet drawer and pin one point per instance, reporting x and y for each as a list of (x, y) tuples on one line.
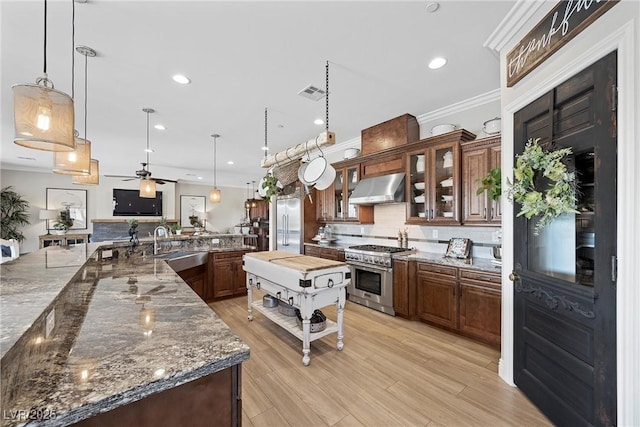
[(425, 267), (484, 276), (328, 280), (227, 255)]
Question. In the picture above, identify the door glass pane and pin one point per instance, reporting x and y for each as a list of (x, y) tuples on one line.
[(444, 182), (337, 210), (564, 249), (352, 180), (417, 185)]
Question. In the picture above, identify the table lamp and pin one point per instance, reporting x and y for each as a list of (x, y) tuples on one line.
[(48, 214)]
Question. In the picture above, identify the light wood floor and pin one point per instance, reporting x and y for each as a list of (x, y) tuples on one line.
[(392, 372)]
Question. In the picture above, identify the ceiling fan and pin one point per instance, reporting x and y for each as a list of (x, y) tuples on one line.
[(145, 173)]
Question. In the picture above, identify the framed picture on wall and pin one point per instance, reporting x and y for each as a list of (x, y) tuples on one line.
[(192, 208), (61, 199)]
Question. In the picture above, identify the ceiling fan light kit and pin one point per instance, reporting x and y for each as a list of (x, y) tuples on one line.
[(43, 116), (215, 196)]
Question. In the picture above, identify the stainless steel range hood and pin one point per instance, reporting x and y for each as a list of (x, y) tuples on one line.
[(380, 189)]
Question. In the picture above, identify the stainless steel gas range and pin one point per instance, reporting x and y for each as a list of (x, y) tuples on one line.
[(372, 275)]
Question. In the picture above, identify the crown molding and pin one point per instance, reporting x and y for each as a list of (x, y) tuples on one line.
[(511, 24), (467, 104)]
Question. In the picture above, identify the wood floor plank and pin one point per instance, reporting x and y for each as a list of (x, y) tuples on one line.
[(391, 372)]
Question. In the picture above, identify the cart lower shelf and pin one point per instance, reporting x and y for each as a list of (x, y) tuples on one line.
[(290, 324)]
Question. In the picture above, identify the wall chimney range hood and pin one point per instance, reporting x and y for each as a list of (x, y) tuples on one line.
[(379, 189)]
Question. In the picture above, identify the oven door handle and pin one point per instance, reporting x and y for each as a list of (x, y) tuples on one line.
[(369, 267)]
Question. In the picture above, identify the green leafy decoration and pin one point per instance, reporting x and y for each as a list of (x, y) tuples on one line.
[(492, 183), (270, 182), (14, 214), (560, 195)]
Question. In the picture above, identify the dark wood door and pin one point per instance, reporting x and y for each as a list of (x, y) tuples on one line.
[(564, 278)]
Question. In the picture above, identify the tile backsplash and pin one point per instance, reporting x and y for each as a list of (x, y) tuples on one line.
[(389, 218)]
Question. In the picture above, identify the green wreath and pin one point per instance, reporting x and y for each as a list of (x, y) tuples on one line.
[(558, 198)]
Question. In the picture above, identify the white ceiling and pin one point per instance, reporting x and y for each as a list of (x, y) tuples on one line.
[(241, 57)]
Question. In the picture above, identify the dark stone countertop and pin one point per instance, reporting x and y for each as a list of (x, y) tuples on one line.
[(82, 335)]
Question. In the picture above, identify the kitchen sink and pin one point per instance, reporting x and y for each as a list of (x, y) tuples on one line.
[(183, 260)]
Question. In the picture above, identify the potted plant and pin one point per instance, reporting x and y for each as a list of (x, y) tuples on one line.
[(64, 222), (176, 229), (270, 183), (492, 183), (14, 214)]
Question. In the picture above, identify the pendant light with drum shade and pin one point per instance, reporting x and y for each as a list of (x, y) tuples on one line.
[(77, 162), (43, 116), (214, 195), (93, 178), (148, 185)]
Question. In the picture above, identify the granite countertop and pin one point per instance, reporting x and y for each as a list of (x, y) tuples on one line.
[(482, 264), (336, 246), (80, 336)]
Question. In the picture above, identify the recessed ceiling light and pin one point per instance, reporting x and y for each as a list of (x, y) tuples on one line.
[(318, 121), (199, 177), (183, 80), (160, 127), (437, 63), (230, 162)]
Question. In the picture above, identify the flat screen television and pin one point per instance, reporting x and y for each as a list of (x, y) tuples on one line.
[(129, 203)]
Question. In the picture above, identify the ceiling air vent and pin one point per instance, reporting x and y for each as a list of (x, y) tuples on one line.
[(312, 92)]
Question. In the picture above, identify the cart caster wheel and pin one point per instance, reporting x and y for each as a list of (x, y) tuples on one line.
[(250, 317), (306, 360), (340, 346)]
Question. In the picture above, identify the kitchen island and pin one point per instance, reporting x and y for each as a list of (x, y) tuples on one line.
[(105, 340), (303, 282)]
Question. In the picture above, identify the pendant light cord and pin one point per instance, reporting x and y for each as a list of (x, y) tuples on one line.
[(45, 38), (148, 140), (85, 97), (265, 132), (326, 110), (73, 56), (215, 186)]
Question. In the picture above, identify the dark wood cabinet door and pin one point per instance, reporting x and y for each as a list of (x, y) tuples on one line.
[(480, 312), (475, 165), (437, 300), (240, 277), (495, 161), (223, 278), (401, 294)]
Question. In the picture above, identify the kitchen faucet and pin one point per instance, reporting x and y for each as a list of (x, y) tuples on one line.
[(155, 238)]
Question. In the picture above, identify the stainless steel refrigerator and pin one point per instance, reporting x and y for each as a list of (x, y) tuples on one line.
[(288, 219)]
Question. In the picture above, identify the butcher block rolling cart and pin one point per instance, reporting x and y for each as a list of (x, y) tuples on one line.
[(307, 283)]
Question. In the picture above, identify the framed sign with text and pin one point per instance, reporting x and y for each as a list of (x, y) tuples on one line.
[(565, 21)]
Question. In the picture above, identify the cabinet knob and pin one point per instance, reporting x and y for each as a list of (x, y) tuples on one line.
[(513, 276)]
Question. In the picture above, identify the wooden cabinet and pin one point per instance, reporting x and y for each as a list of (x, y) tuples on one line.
[(433, 187), (326, 253), (384, 164), (259, 209), (404, 292), (480, 305), (462, 300), (392, 133), (63, 239), (226, 276), (437, 294), (332, 204), (478, 158)]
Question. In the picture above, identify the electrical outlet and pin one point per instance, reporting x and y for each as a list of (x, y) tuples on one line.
[(361, 230), (434, 234), (215, 241), (495, 236)]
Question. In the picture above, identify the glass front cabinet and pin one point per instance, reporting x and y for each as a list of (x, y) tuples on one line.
[(433, 184), (334, 202)]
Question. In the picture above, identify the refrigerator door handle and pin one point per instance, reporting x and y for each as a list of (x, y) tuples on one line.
[(285, 230)]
